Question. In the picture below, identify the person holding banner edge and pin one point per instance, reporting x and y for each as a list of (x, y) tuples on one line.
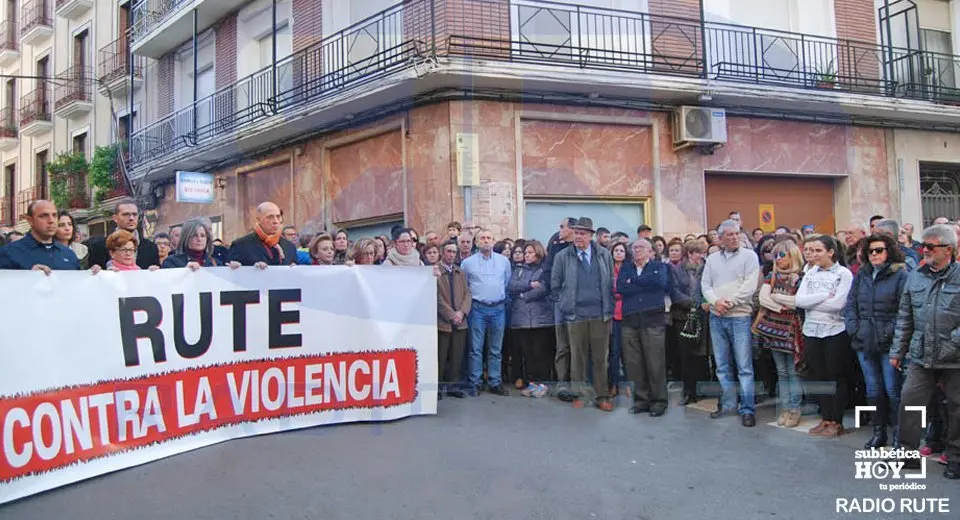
[(39, 250)]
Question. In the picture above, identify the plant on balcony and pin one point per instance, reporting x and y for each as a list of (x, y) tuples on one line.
[(827, 76), (68, 180), (103, 169)]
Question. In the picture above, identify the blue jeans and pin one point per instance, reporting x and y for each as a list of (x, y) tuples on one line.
[(879, 374), (486, 321), (732, 345), (788, 383), (614, 356)]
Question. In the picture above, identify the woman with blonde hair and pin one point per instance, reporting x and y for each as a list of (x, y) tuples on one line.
[(778, 327), (364, 252)]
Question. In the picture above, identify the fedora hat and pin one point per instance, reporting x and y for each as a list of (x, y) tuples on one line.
[(585, 224)]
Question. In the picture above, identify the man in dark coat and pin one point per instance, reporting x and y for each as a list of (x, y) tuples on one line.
[(558, 242), (126, 216), (266, 245)]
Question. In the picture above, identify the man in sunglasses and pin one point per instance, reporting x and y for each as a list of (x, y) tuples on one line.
[(926, 343)]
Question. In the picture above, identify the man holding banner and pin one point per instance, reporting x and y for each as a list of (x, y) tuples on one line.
[(38, 250)]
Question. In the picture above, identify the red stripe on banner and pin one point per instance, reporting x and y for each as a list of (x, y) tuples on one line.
[(51, 429)]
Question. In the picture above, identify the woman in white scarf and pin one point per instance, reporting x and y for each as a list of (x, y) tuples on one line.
[(404, 253)]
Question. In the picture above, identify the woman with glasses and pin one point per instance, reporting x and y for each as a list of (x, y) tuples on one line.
[(364, 252), (778, 327), (122, 246), (871, 317), (195, 249), (405, 253)]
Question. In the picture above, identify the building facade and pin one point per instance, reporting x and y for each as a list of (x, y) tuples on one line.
[(515, 113), (67, 80)]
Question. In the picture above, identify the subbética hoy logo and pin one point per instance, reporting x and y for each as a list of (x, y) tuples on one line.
[(887, 463)]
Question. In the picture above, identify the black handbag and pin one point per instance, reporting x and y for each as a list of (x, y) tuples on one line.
[(692, 329)]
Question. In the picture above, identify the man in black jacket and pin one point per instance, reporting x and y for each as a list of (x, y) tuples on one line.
[(126, 216), (266, 245)]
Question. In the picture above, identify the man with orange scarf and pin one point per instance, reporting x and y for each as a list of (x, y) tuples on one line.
[(266, 245)]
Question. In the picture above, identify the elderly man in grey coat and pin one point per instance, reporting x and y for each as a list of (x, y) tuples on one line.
[(582, 280), (927, 342)]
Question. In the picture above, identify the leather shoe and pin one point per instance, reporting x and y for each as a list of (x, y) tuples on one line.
[(748, 420), (499, 390), (952, 471), (640, 408), (717, 414), (658, 411), (459, 394)]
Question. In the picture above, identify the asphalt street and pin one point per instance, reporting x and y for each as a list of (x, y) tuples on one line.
[(496, 458)]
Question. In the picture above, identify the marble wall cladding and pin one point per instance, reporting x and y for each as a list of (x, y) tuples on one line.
[(308, 194), (434, 197), (366, 178), (581, 159)]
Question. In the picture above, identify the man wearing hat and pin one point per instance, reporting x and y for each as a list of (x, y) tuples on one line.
[(582, 282)]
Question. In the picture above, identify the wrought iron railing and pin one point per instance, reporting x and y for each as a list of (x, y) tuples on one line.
[(114, 61), (9, 36), (72, 85), (25, 197), (544, 32), (36, 13), (148, 14), (7, 216), (9, 123), (35, 105)]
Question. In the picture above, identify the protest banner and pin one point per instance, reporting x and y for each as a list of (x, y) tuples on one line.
[(106, 372)]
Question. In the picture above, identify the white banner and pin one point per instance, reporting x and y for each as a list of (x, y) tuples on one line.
[(100, 373)]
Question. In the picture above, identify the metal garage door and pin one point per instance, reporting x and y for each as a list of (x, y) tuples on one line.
[(542, 217), (796, 201)]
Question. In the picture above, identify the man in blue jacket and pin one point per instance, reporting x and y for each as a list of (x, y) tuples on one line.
[(38, 250)]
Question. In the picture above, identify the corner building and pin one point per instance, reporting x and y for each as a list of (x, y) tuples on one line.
[(362, 115)]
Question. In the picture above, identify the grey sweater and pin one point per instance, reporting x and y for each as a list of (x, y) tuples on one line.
[(733, 275)]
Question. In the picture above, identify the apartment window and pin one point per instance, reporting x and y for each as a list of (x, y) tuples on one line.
[(80, 143), (40, 175), (125, 126), (939, 67), (43, 71), (9, 193)]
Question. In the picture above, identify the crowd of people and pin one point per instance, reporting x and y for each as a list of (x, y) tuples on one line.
[(861, 316)]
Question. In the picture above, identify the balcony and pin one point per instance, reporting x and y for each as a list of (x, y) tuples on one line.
[(73, 94), (162, 25), (9, 129), (35, 112), (9, 43), (36, 22), (113, 68), (25, 198), (73, 9), (538, 47)]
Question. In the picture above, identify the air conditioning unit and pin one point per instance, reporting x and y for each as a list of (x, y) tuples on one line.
[(702, 127)]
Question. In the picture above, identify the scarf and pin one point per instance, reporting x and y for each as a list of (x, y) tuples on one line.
[(121, 267), (410, 259), (270, 241), (196, 256)]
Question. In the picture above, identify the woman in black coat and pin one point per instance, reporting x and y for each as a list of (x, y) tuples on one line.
[(195, 249), (871, 317), (531, 321)]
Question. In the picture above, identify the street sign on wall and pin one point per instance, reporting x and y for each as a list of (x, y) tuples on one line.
[(195, 187)]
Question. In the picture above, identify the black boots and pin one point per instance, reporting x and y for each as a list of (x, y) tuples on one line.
[(879, 438)]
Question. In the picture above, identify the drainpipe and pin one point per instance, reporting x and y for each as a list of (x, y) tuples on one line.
[(129, 45), (196, 89), (273, 74)]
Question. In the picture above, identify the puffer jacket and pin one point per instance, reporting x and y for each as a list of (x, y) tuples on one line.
[(531, 307), (928, 324), (872, 306)]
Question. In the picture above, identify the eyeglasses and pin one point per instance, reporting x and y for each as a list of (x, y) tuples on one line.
[(878, 250), (931, 247), (126, 250)]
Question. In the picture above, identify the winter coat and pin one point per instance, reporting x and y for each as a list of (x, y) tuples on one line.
[(178, 260), (448, 304), (531, 307), (563, 280), (646, 293), (928, 323), (686, 287), (872, 307)]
